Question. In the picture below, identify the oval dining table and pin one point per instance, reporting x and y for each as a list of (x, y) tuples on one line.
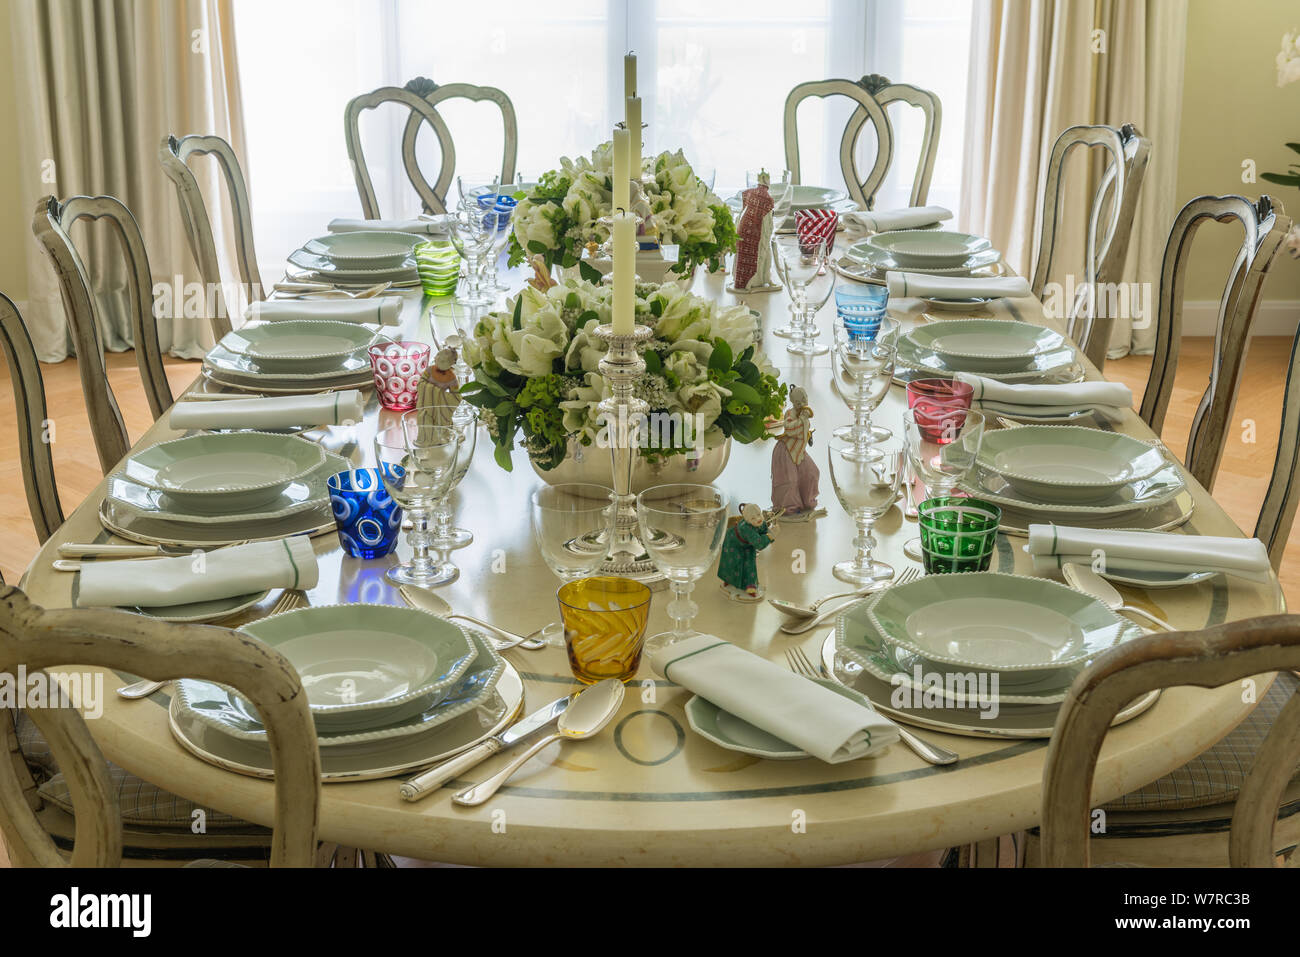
[(648, 790)]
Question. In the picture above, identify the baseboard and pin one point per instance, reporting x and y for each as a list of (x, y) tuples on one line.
[(1276, 317)]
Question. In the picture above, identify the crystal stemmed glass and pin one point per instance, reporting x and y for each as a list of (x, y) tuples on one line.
[(864, 370), (416, 465), (471, 188), (866, 487), (682, 527), (463, 319), (808, 285), (445, 536), (472, 232), (941, 448), (573, 527)]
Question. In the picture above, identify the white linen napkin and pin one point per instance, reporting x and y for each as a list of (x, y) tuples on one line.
[(782, 703), (384, 310), (953, 287), (222, 573), (273, 412), (1056, 399), (911, 217), (1052, 546), (433, 226)]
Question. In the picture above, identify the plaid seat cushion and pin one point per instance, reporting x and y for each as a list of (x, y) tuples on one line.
[(142, 803), (1215, 777)]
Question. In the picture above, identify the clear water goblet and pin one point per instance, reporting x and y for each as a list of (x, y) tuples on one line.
[(446, 536), (867, 487), (863, 372), (682, 527), (573, 525), (942, 446), (472, 232), (809, 287), (416, 466)]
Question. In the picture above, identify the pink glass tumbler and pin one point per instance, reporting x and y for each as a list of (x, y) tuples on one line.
[(397, 367), (939, 406)]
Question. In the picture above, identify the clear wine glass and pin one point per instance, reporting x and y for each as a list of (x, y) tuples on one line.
[(866, 486), (416, 465), (445, 536), (682, 527), (863, 373), (472, 188), (473, 230), (573, 526), (942, 446), (809, 285)]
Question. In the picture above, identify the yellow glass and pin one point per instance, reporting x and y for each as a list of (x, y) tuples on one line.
[(604, 622)]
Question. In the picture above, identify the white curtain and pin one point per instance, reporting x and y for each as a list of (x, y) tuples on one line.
[(1040, 66), (105, 80)]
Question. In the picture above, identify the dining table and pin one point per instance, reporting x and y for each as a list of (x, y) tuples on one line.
[(648, 790)]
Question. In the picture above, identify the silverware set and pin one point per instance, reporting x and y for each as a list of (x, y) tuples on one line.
[(799, 626)]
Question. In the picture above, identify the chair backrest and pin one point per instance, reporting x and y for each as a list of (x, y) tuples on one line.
[(34, 436), (873, 95), (1110, 225), (52, 225), (1277, 513), (422, 96), (1206, 659), (1265, 224), (175, 157), (34, 638)]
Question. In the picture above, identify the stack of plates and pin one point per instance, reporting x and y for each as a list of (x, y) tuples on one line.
[(935, 251), (360, 258), (390, 688), (978, 653), (215, 489), (994, 348), (1073, 475), (293, 355)]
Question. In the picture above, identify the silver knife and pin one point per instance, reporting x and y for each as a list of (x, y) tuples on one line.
[(429, 781)]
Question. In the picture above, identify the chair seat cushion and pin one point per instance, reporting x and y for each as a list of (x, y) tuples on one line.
[(1215, 776), (142, 803)]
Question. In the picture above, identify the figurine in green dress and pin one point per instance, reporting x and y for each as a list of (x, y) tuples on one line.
[(738, 566)]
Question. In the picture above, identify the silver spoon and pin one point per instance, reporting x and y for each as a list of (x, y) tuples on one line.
[(139, 689), (1084, 579), (798, 627), (437, 605), (594, 708), (795, 610)]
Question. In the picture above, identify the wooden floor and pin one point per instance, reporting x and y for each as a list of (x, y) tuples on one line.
[(1240, 488)]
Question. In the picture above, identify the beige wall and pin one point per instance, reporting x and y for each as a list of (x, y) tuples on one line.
[(15, 221), (1233, 110)]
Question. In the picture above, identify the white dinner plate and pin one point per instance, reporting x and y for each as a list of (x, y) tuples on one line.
[(912, 248), (290, 346), (379, 759), (364, 248), (985, 345)]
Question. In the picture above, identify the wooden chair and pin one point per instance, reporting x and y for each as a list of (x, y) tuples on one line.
[(52, 225), (1125, 152), (35, 638), (1216, 656), (421, 96), (1265, 224), (33, 421), (175, 156), (873, 95)]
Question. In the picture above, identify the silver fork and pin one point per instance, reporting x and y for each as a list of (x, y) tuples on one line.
[(932, 754), (799, 627), (287, 601)]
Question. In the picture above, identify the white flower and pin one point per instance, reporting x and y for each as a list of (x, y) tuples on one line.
[(734, 325), (1288, 60)]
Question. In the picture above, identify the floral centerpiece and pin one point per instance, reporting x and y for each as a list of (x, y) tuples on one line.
[(536, 371), (563, 213)]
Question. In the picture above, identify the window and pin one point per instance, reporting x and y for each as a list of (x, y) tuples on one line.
[(721, 72)]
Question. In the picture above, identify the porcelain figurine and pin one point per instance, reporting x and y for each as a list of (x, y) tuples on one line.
[(753, 271), (439, 389), (794, 473), (738, 565)]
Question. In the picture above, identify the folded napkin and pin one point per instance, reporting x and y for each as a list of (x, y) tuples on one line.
[(953, 287), (384, 310), (433, 226), (1052, 546), (222, 573), (274, 412), (821, 722), (1039, 400), (912, 217)]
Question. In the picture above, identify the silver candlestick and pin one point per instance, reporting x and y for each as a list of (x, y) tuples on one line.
[(622, 366)]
